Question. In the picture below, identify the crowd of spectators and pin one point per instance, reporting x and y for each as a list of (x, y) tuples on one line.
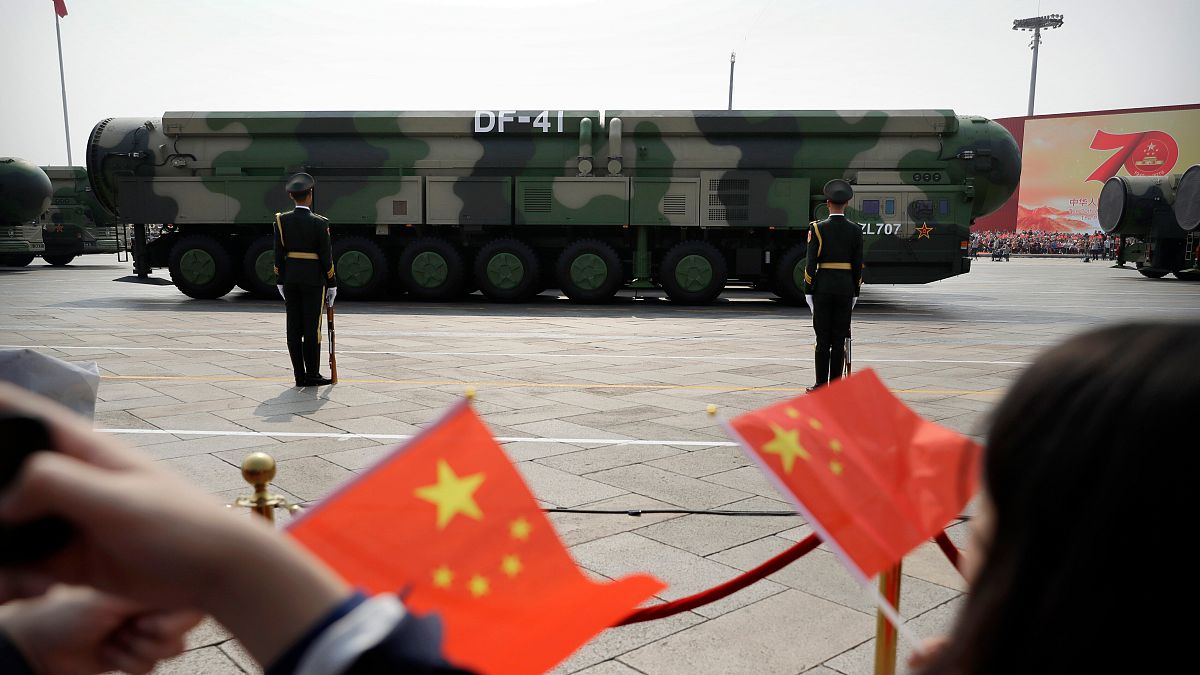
[(1039, 242)]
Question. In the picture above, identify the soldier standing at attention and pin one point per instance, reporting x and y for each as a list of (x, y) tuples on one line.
[(304, 265), (832, 277)]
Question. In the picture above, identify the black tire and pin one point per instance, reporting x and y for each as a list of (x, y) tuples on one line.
[(201, 267), (16, 259), (257, 275), (508, 270), (693, 273), (432, 269), (1152, 273), (361, 266), (59, 260), (789, 274), (589, 271)]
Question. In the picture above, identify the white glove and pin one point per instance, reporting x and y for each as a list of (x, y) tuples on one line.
[(853, 302), (808, 299), (280, 287), (330, 294)]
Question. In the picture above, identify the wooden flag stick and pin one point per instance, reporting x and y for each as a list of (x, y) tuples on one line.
[(332, 353), (885, 632)]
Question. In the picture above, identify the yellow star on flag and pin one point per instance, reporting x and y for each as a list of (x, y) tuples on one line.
[(923, 231), (442, 577), (511, 565), (452, 494), (519, 529), (478, 586), (786, 444)]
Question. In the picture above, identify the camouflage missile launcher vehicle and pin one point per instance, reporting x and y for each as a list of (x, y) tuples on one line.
[(512, 202), (24, 195), (76, 223), (1160, 214)]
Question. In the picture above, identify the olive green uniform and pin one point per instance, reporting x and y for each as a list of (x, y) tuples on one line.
[(833, 276), (304, 264)]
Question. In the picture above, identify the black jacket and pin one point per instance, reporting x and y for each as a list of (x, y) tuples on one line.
[(835, 257), (302, 253)]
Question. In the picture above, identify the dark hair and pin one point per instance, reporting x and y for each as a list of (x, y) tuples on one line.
[(841, 204), (1090, 466), (300, 196)]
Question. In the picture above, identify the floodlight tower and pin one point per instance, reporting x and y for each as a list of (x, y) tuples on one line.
[(1036, 24)]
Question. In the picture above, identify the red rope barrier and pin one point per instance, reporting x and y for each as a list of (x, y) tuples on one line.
[(728, 588), (948, 547), (757, 574)]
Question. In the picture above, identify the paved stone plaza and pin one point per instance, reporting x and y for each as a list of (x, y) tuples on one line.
[(600, 407)]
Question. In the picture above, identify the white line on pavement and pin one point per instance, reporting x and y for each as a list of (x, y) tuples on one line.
[(403, 437), (768, 359)]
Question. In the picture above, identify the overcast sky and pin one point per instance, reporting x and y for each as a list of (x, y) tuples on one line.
[(144, 57)]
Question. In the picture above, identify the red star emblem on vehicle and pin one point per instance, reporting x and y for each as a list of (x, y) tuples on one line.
[(923, 231)]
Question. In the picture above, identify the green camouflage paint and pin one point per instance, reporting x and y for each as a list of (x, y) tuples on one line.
[(25, 193), (398, 185), (75, 223)]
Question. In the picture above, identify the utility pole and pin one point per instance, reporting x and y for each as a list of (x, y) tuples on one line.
[(732, 59), (1036, 24)]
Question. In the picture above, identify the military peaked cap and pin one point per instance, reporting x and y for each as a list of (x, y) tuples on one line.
[(300, 182), (838, 191)]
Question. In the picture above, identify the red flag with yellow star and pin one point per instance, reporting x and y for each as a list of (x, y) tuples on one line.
[(873, 478), (448, 523)]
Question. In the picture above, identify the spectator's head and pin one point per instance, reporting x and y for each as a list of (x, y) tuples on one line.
[(1084, 481)]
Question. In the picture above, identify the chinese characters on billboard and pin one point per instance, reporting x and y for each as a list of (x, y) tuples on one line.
[(1066, 159)]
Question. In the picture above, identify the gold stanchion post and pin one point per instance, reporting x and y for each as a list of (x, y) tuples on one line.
[(258, 469), (885, 632)]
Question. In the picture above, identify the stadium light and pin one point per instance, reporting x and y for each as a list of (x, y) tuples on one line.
[(1036, 24)]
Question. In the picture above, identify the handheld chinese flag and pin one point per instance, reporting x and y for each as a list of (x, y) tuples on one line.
[(873, 478), (447, 522), (60, 7)]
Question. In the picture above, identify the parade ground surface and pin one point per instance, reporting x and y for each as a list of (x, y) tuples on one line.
[(600, 407)]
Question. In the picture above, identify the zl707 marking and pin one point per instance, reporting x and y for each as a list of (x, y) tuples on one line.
[(882, 228)]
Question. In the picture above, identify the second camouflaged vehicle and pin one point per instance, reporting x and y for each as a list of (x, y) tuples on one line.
[(1162, 213), (24, 195), (512, 202), (76, 223)]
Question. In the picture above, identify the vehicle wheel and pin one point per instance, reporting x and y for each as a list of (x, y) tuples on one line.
[(788, 281), (432, 269), (507, 270), (1152, 273), (16, 259), (258, 276), (201, 267), (361, 267), (589, 271), (693, 272), (58, 260)]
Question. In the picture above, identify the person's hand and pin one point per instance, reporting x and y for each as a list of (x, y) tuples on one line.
[(809, 299), (280, 287), (80, 630), (144, 533), (330, 294), (141, 532)]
